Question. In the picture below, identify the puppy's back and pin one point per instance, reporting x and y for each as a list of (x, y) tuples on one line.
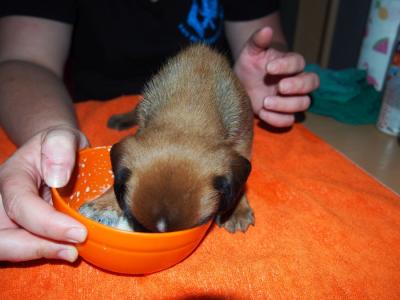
[(198, 89)]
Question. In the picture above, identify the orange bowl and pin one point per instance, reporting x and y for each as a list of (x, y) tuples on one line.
[(113, 249)]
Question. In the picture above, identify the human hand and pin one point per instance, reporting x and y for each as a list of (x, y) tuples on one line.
[(274, 80), (30, 228)]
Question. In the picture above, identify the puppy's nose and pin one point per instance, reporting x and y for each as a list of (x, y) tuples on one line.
[(161, 225)]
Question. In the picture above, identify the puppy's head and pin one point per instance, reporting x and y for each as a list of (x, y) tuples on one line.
[(176, 187)]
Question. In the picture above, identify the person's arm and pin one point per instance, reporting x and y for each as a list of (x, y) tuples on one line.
[(37, 113), (33, 52), (274, 79)]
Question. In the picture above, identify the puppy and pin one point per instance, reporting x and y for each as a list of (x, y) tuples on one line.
[(189, 159)]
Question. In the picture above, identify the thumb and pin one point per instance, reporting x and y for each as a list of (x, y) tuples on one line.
[(259, 41), (58, 152)]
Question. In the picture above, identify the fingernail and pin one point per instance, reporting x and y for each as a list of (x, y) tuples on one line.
[(76, 235), (56, 176), (69, 254), (268, 103)]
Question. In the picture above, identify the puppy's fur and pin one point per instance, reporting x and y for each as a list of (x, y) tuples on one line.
[(189, 159)]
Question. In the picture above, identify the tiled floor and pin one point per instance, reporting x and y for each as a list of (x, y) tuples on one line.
[(372, 150)]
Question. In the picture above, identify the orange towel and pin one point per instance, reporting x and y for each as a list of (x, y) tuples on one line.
[(324, 229)]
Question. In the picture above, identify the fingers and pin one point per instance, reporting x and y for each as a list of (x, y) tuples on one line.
[(20, 179), (279, 111), (286, 104), (23, 205), (302, 83), (58, 151), (25, 217), (276, 119), (5, 222), (259, 41), (289, 63), (20, 245)]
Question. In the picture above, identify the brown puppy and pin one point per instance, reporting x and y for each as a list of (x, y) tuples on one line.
[(189, 160)]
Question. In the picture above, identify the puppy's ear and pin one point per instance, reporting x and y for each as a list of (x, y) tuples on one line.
[(230, 185), (121, 174)]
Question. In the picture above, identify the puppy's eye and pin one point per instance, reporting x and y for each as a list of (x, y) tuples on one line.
[(231, 185), (121, 176), (224, 187)]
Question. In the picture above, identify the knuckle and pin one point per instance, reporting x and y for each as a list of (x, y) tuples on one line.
[(303, 85), (44, 250), (12, 209), (41, 251), (308, 83), (10, 199), (299, 84), (298, 62)]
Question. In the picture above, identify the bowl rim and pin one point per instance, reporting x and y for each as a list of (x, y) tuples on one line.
[(56, 197)]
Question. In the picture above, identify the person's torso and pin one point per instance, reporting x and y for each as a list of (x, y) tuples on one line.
[(118, 45)]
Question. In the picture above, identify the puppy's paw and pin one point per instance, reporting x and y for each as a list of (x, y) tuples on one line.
[(122, 121), (105, 215), (240, 220)]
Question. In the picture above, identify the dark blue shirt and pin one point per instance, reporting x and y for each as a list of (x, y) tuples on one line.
[(118, 44)]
